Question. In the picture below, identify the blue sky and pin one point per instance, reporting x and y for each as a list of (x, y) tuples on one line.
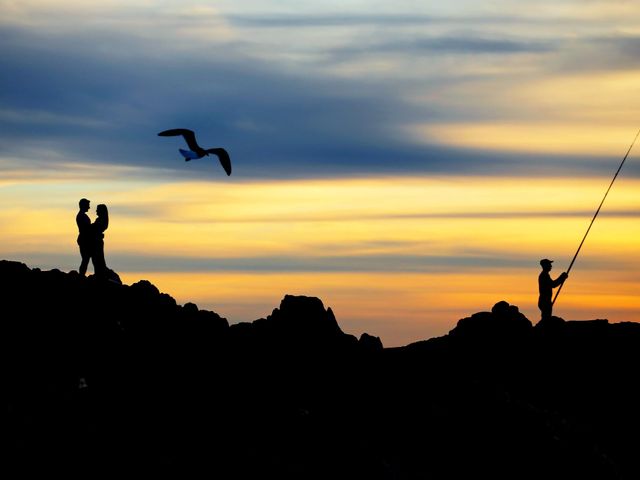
[(296, 89)]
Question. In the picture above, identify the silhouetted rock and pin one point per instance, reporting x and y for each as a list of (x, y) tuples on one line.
[(551, 323), (112, 276), (370, 343), (145, 287), (13, 269), (190, 309), (504, 322), (300, 324), (306, 316), (108, 378)]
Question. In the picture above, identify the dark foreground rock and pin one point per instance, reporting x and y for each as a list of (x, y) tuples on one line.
[(112, 379)]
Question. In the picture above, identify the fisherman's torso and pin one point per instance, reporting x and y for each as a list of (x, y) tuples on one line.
[(545, 285)]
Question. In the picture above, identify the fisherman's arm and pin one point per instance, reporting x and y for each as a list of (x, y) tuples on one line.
[(560, 280)]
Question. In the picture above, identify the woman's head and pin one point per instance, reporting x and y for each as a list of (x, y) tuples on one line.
[(101, 210)]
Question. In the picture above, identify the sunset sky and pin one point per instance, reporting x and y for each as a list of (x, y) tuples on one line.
[(407, 162)]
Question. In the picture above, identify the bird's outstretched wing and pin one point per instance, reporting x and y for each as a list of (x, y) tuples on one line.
[(189, 155), (224, 158), (188, 135)]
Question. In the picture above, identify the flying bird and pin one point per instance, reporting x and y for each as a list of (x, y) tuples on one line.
[(196, 151)]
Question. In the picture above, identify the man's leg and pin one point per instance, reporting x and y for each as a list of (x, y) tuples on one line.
[(85, 253), (545, 309)]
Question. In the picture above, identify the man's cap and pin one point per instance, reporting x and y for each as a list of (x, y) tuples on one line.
[(546, 261)]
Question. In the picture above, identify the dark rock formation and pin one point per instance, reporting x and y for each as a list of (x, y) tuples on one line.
[(112, 379), (370, 343), (504, 323)]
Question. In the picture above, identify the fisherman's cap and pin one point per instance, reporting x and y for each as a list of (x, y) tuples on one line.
[(546, 261)]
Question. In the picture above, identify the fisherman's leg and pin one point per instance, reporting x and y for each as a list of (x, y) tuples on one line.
[(545, 310)]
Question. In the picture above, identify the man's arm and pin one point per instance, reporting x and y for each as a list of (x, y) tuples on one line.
[(560, 280)]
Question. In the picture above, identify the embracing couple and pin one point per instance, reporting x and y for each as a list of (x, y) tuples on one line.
[(91, 239)]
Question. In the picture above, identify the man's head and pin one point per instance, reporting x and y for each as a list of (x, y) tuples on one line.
[(545, 263), (84, 204)]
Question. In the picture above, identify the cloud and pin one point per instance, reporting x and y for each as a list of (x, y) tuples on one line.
[(97, 107), (68, 96), (101, 95), (417, 46), (412, 17), (291, 20), (597, 53), (391, 263), (350, 263)]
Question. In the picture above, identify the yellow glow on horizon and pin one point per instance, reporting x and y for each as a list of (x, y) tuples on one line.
[(325, 217), (468, 222)]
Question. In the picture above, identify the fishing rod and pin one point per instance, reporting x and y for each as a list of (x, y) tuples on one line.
[(595, 215)]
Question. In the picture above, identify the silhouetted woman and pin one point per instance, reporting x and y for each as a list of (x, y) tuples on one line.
[(100, 224)]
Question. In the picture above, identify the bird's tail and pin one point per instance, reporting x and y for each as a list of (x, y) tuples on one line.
[(188, 154)]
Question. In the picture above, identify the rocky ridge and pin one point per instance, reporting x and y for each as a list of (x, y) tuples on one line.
[(106, 378)]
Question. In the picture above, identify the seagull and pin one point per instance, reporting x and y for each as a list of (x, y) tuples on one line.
[(196, 151)]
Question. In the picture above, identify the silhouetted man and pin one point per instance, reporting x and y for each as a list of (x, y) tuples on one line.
[(546, 286), (85, 237)]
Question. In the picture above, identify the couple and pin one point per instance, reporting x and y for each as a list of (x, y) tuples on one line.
[(91, 239)]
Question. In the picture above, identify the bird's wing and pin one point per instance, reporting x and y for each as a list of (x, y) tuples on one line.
[(188, 154), (224, 158), (188, 135)]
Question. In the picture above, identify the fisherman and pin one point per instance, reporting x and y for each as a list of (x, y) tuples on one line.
[(546, 286)]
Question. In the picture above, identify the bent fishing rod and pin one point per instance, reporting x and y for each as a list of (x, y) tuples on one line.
[(596, 214)]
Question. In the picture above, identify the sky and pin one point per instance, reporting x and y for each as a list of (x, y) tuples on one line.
[(408, 162)]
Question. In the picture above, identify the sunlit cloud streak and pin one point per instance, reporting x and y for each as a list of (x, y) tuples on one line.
[(381, 264), (331, 225)]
